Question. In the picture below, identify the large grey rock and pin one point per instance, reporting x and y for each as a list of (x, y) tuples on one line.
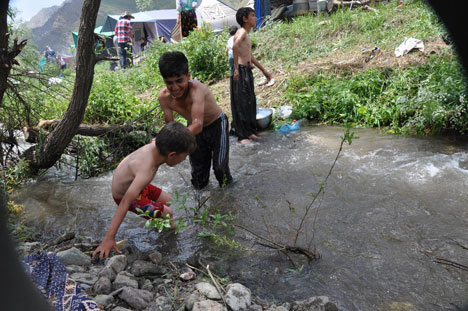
[(276, 308), (120, 309), (208, 305), (254, 307), (208, 290), (74, 256), (319, 303), (108, 272), (138, 299), (124, 279), (238, 297), (104, 300), (118, 263), (102, 286), (142, 267), (190, 300), (84, 278), (160, 304), (74, 268)]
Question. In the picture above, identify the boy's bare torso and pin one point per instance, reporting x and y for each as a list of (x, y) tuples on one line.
[(184, 106), (141, 162), (244, 47)]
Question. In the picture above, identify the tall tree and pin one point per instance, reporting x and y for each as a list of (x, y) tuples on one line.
[(57, 141), (7, 54)]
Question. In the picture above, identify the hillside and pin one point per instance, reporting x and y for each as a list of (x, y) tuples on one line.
[(53, 26)]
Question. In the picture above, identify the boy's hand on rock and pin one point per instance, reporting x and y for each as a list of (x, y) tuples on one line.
[(105, 248)]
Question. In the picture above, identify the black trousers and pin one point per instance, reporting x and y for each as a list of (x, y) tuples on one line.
[(243, 104), (212, 145)]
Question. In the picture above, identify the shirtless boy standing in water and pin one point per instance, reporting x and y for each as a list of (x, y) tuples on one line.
[(195, 102), (243, 101), (131, 182)]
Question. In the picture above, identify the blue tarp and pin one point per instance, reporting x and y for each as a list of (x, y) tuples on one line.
[(160, 21), (262, 9)]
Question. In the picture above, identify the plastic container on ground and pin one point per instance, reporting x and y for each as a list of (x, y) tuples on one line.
[(289, 128)]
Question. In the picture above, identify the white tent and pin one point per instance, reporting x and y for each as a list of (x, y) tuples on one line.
[(220, 14)]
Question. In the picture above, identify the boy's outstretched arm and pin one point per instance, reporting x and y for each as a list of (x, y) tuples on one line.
[(263, 70), (109, 239)]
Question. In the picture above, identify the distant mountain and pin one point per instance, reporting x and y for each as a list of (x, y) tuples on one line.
[(53, 26), (42, 17)]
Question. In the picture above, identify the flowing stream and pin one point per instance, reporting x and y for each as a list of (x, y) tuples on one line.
[(392, 208)]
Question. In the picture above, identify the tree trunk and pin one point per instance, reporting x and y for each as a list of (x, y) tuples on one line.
[(4, 70), (7, 56), (58, 140)]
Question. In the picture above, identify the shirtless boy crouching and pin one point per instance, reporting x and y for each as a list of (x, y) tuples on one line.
[(131, 182), (194, 101)]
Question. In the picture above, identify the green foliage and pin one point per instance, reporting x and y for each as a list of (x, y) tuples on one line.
[(204, 50), (428, 98), (112, 100), (155, 223), (14, 175), (219, 225)]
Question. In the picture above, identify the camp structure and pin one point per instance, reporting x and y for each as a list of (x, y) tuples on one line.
[(220, 14), (148, 25)]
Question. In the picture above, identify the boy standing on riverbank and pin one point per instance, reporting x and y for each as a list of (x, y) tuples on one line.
[(243, 101), (131, 182), (195, 102)]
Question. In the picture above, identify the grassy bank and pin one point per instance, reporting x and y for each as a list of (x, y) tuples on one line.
[(322, 72)]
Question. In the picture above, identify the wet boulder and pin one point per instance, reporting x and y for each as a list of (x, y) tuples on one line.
[(319, 303), (138, 299), (124, 279), (74, 256), (142, 267), (238, 297), (104, 300), (102, 286), (117, 263), (208, 290), (208, 305)]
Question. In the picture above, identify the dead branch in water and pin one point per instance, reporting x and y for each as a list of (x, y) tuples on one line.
[(280, 247)]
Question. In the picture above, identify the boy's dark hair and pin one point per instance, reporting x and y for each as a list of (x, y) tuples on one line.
[(232, 30), (173, 64), (175, 137), (243, 12)]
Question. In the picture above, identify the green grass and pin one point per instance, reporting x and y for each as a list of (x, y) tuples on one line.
[(309, 38)]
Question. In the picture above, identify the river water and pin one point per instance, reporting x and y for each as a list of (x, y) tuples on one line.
[(392, 209)]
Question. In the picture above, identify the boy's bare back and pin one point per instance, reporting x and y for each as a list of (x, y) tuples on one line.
[(140, 166)]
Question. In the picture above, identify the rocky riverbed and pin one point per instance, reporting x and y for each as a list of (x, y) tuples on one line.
[(136, 280)]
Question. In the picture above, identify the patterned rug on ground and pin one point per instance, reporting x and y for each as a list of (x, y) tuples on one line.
[(51, 279)]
